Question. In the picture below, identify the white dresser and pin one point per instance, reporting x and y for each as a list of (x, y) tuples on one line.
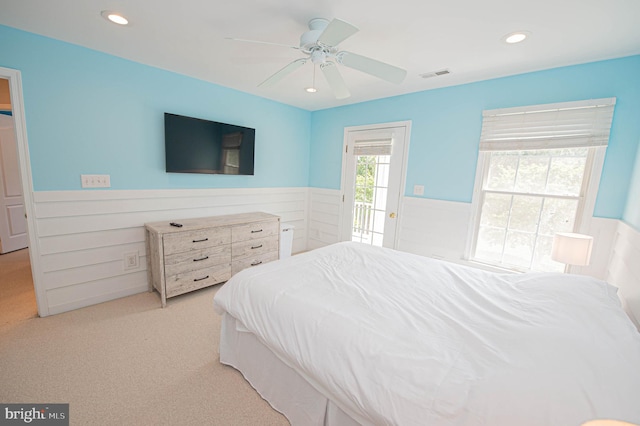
[(207, 251)]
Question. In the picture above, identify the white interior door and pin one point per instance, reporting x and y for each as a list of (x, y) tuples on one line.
[(373, 182), (13, 225)]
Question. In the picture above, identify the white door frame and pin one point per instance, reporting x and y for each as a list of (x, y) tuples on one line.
[(17, 108), (403, 179)]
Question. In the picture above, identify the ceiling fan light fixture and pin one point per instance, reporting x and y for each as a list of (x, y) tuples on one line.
[(320, 45), (516, 37), (114, 17)]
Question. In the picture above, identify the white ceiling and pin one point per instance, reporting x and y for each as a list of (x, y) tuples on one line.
[(464, 36)]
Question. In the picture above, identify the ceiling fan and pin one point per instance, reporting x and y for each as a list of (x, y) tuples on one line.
[(320, 44)]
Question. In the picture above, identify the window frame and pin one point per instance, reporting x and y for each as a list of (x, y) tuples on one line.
[(584, 212)]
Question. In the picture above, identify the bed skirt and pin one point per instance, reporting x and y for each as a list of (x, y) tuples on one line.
[(277, 383)]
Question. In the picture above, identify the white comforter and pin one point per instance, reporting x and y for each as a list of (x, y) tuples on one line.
[(394, 338)]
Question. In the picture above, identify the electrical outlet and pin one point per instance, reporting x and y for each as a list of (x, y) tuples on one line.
[(418, 189), (96, 181), (131, 260)]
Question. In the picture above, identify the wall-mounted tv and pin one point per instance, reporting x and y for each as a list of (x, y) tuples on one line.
[(194, 145)]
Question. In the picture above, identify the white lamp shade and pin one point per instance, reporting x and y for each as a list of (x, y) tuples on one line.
[(572, 249)]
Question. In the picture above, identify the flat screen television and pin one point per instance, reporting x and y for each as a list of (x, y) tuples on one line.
[(194, 145)]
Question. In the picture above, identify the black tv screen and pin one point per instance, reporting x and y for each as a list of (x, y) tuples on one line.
[(193, 145)]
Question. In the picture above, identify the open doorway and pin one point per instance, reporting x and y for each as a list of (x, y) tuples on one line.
[(17, 295)]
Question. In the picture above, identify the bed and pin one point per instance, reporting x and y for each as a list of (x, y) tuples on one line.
[(352, 334)]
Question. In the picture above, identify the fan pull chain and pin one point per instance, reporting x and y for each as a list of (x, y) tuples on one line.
[(313, 89)]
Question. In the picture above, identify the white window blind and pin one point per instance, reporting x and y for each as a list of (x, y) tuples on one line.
[(564, 125), (373, 147)]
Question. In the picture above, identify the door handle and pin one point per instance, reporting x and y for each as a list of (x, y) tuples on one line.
[(392, 215)]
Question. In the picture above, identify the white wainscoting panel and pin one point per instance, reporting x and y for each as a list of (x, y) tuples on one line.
[(324, 217), (624, 269), (83, 235), (439, 229), (434, 228)]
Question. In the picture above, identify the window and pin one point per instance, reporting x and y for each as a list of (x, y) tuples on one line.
[(370, 204), (534, 172), (231, 161), (373, 160)]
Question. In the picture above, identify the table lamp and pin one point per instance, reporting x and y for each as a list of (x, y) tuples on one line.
[(572, 249)]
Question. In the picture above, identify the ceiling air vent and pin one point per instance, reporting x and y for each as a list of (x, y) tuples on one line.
[(435, 73)]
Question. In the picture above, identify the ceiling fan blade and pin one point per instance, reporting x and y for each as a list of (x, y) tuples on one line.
[(283, 72), (335, 80), (262, 42), (336, 32), (376, 68)]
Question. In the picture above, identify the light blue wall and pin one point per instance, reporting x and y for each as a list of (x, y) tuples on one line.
[(632, 212), (92, 113), (446, 126)]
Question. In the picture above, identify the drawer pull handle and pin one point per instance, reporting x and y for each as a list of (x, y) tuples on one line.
[(200, 241), (256, 263), (200, 279), (202, 258), (259, 230), (256, 247)]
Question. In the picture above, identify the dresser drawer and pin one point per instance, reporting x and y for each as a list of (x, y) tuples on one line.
[(255, 247), (239, 265), (189, 281), (195, 240), (196, 259), (255, 230)]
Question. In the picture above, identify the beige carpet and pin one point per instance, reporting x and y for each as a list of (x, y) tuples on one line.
[(129, 362), (17, 297)]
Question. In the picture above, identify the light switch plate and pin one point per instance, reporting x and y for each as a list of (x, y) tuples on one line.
[(418, 189)]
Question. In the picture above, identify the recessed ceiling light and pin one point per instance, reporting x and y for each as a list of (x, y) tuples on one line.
[(516, 37), (311, 89), (114, 17)]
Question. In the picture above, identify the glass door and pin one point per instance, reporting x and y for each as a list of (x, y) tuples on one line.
[(370, 203), (373, 176)]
